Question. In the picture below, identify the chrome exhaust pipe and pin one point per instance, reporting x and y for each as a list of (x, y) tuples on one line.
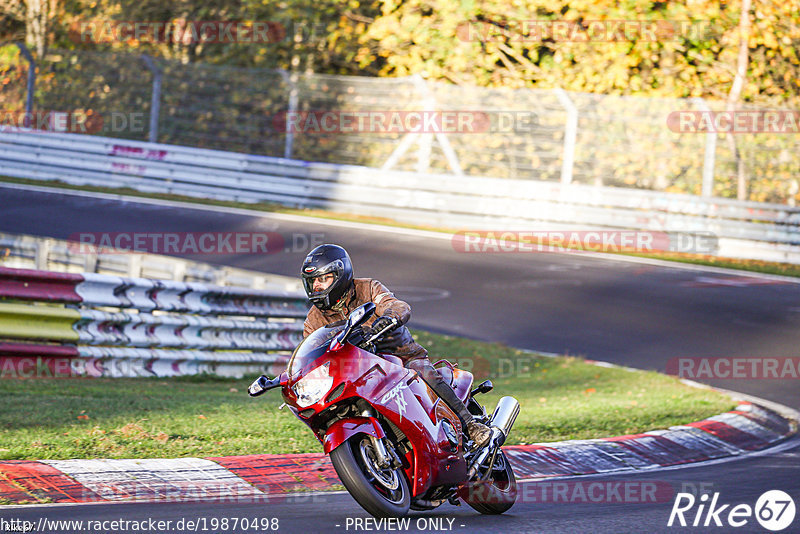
[(505, 414)]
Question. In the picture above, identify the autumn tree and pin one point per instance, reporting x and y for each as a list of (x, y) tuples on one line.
[(37, 16)]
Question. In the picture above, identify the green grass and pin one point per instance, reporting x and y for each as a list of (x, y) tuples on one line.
[(565, 398), (786, 269), (561, 398)]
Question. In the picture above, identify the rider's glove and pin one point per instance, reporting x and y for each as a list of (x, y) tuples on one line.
[(381, 323)]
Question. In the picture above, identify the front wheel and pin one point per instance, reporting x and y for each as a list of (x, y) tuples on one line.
[(497, 493), (381, 491)]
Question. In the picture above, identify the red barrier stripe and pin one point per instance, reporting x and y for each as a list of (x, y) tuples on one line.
[(276, 474), (34, 349), (26, 284), (538, 460), (729, 434), (658, 450), (43, 482), (761, 417)]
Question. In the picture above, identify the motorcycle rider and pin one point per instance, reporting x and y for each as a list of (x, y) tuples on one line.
[(328, 280)]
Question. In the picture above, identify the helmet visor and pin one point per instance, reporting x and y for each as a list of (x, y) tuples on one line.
[(319, 282)]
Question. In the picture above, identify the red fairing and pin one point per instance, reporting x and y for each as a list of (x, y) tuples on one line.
[(344, 429), (395, 392)]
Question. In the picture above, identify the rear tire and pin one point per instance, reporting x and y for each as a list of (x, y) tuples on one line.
[(381, 492), (496, 494)]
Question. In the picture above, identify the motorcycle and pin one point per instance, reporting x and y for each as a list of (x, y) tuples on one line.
[(392, 441)]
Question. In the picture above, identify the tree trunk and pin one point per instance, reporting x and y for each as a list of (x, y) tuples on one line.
[(36, 26), (735, 93)]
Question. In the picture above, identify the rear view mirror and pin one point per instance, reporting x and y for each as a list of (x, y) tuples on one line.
[(357, 318), (360, 314), (262, 384)]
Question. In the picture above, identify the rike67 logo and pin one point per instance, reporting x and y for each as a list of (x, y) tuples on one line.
[(774, 511)]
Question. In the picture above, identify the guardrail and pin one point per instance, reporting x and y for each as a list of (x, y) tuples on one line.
[(744, 229), (61, 324)]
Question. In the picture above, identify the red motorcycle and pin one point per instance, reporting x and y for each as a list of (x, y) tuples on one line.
[(394, 444)]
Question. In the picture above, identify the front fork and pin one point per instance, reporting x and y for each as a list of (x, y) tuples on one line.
[(380, 451), (387, 457)]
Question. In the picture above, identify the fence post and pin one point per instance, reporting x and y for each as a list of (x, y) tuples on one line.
[(710, 152), (155, 98), (291, 81), (425, 141), (134, 265), (401, 148), (570, 133), (42, 254), (31, 82), (409, 138), (90, 262), (449, 154), (179, 271)]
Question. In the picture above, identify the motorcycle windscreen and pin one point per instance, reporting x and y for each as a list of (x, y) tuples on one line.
[(312, 347)]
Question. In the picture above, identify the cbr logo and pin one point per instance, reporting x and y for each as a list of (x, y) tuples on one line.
[(395, 394)]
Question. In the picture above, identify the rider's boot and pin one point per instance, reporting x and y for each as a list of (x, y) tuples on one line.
[(475, 430)]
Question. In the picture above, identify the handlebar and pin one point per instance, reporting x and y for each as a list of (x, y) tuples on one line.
[(388, 328)]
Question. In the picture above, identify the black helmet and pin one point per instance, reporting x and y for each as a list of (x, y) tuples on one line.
[(323, 260)]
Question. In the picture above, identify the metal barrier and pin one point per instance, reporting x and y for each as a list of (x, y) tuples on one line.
[(744, 229), (526, 133), (62, 324)]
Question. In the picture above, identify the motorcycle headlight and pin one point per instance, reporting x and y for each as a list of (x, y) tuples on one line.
[(311, 388)]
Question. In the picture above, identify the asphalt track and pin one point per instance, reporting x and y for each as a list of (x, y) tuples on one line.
[(540, 507), (628, 313)]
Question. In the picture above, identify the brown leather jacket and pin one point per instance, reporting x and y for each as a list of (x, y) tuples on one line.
[(400, 343)]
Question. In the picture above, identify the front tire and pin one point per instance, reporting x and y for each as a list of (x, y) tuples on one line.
[(383, 492), (497, 493)]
